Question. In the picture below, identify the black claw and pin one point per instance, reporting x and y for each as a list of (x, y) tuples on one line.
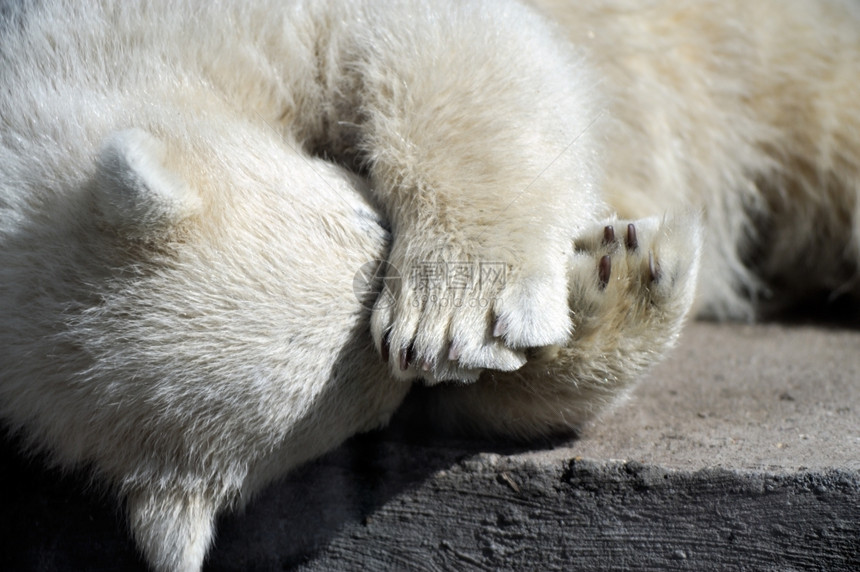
[(604, 270), (406, 357), (632, 242), (653, 270), (386, 346), (609, 234)]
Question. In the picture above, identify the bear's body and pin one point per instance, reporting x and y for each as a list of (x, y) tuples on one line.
[(189, 193)]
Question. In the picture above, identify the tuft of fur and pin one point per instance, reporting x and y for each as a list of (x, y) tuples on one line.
[(195, 199)]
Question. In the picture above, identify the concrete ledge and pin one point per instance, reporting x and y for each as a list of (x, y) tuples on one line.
[(494, 513), (742, 452)]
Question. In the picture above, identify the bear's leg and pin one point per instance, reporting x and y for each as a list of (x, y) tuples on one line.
[(172, 528), (631, 287), (479, 131)]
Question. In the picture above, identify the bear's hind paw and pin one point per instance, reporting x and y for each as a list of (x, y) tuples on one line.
[(633, 281)]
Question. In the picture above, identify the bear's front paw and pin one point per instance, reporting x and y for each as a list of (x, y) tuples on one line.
[(448, 317)]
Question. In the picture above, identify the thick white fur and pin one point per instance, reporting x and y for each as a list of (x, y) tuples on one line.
[(188, 189)]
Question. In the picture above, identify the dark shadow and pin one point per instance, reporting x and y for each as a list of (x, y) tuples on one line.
[(291, 520), (822, 309), (54, 522), (51, 522)]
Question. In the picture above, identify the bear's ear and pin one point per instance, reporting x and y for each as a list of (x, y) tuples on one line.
[(135, 192)]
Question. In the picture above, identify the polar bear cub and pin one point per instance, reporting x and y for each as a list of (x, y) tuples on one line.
[(189, 193)]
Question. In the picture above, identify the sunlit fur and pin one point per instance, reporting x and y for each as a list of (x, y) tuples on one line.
[(189, 189)]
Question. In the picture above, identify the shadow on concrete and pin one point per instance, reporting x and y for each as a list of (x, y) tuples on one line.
[(292, 520), (55, 522)]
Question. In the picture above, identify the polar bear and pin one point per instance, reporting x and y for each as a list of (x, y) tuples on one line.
[(190, 193)]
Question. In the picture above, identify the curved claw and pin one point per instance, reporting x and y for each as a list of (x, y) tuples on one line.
[(604, 270), (406, 357), (653, 270), (632, 241), (609, 234), (385, 350)]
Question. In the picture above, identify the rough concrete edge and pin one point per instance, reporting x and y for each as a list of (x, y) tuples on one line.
[(512, 513)]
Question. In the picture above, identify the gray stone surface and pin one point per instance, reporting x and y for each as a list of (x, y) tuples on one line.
[(494, 513), (749, 397), (741, 452)]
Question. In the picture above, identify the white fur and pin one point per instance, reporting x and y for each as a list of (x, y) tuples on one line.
[(188, 189), (136, 194)]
